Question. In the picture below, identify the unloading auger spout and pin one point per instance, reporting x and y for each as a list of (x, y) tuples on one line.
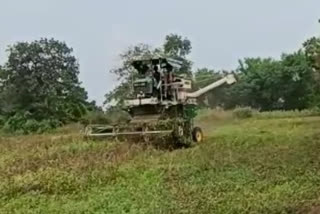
[(229, 79)]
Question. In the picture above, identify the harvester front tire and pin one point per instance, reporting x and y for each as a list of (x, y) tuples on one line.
[(197, 135)]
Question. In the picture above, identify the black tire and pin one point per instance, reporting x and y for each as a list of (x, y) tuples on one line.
[(197, 135)]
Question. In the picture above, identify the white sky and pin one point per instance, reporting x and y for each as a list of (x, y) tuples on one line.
[(221, 32)]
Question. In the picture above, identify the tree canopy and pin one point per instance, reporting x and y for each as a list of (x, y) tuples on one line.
[(312, 50), (265, 84), (40, 81), (177, 47)]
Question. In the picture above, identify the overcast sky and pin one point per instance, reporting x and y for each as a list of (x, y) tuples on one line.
[(221, 31)]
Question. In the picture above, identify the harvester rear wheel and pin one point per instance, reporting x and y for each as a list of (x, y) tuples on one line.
[(197, 135)]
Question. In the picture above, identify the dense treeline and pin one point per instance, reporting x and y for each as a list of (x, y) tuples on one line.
[(40, 88), (292, 82), (267, 84)]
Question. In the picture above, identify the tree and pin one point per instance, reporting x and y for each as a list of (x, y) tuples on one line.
[(269, 84), (177, 47), (126, 73), (296, 80), (125, 70), (40, 80), (312, 51)]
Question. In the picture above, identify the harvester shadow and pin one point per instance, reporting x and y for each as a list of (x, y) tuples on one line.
[(163, 144), (167, 146)]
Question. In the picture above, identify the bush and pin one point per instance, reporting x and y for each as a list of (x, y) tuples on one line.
[(21, 124), (289, 114), (31, 126), (119, 116), (243, 112), (14, 123), (2, 120), (113, 116), (96, 117)]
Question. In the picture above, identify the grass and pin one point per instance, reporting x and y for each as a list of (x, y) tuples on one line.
[(288, 114), (256, 165)]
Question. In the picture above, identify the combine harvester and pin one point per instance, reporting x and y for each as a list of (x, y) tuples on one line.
[(161, 104)]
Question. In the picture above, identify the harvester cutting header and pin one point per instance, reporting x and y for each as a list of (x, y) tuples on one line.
[(161, 103)]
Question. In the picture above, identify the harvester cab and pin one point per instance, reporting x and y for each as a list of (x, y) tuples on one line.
[(143, 88), (161, 103), (157, 83), (155, 75)]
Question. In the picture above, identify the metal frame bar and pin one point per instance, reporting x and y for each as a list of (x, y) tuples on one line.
[(131, 133)]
